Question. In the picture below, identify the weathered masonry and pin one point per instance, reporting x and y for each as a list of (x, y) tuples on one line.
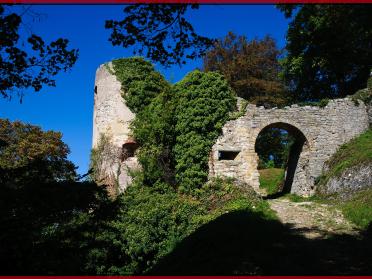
[(318, 132)]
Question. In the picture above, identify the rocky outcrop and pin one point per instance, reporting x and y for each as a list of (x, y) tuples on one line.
[(349, 181)]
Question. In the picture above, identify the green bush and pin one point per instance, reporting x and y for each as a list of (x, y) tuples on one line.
[(139, 80), (204, 103), (149, 224)]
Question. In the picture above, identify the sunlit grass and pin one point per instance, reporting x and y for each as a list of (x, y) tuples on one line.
[(271, 179)]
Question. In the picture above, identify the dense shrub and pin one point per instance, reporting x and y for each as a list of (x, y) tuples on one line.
[(204, 103), (148, 224), (48, 227)]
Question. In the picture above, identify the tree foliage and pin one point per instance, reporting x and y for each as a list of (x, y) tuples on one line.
[(273, 144), (204, 103), (48, 228), (161, 33), (251, 68), (30, 65), (29, 154), (329, 49)]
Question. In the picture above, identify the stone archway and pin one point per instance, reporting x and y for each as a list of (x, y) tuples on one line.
[(296, 169), (320, 131)]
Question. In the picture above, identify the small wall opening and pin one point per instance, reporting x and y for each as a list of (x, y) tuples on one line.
[(227, 154), (128, 149), (278, 147)]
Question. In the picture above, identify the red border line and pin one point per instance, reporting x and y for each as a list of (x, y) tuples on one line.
[(185, 2)]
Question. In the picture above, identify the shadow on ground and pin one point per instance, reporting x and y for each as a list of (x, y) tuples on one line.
[(245, 243)]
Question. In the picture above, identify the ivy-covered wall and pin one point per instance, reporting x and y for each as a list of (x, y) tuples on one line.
[(175, 125)]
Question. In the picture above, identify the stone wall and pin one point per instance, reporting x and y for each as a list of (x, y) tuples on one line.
[(111, 117), (324, 130)]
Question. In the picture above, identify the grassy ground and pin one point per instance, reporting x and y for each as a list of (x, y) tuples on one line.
[(353, 153), (271, 179), (359, 208)]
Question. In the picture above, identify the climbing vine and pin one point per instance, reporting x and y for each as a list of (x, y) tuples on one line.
[(204, 103), (175, 126), (139, 80)]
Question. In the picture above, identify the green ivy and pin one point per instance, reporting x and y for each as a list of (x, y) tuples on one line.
[(204, 103), (175, 126), (140, 82), (153, 128)]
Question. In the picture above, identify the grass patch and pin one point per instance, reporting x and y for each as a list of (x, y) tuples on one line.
[(355, 152), (359, 209), (271, 179), (296, 198)]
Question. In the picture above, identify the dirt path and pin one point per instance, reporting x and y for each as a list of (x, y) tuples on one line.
[(311, 219)]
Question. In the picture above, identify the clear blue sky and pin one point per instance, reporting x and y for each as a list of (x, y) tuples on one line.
[(68, 108)]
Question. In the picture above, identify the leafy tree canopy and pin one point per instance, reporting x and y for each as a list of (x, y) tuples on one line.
[(29, 154), (161, 32), (32, 64), (251, 68), (329, 49)]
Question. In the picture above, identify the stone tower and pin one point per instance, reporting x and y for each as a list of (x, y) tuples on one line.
[(111, 133)]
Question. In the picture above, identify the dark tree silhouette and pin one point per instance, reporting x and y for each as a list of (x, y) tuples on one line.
[(329, 49), (32, 64), (161, 33)]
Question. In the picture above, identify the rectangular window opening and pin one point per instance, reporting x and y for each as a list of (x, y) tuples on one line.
[(227, 155)]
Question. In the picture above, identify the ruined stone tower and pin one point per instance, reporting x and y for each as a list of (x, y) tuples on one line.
[(111, 120)]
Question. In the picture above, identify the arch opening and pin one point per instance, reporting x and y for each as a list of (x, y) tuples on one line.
[(279, 147)]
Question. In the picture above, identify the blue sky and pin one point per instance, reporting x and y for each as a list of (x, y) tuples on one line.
[(68, 108)]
